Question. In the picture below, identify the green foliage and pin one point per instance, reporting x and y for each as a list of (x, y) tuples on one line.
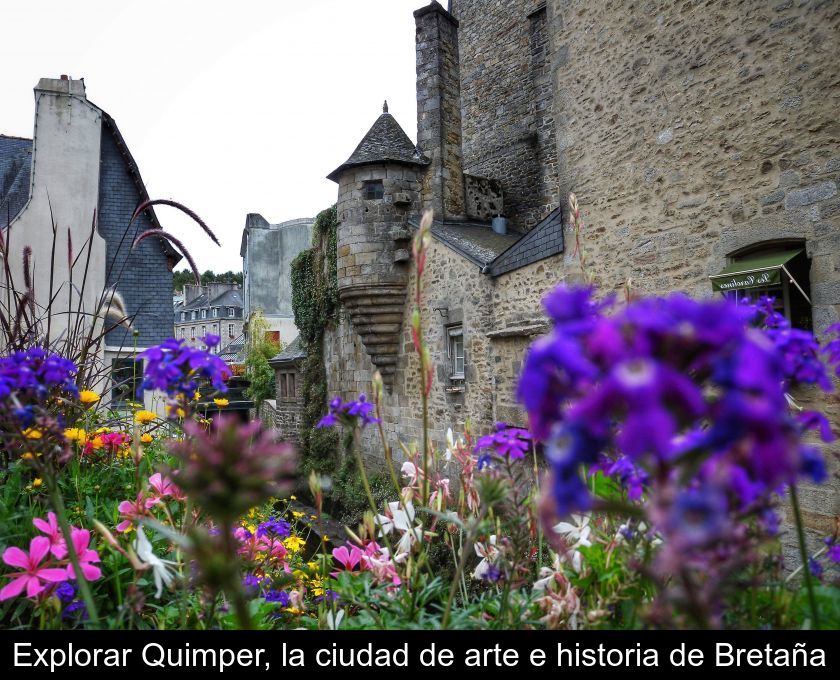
[(259, 350), (315, 306), (184, 277)]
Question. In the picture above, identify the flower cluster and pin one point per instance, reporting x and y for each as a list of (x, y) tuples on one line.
[(36, 373), (349, 413), (670, 379), (176, 368), (47, 563), (232, 467), (371, 558), (510, 442)]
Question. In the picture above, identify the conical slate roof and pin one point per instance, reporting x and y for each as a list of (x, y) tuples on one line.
[(385, 142)]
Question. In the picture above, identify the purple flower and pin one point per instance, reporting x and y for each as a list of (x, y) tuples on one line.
[(278, 527), (834, 552), (349, 414), (277, 596), (815, 568), (65, 592), (211, 340), (699, 516), (177, 369), (506, 441), (251, 584)]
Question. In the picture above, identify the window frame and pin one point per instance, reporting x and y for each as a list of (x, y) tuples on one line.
[(376, 187), (454, 339)]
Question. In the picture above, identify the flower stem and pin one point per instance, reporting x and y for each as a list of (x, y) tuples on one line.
[(61, 515), (803, 552), (462, 563)]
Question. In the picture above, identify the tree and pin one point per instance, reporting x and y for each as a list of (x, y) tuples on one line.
[(259, 349), (185, 277)]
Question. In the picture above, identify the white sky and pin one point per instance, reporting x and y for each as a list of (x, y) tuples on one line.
[(227, 107)]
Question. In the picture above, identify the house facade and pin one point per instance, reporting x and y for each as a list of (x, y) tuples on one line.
[(702, 147), (267, 251), (78, 173), (214, 309)]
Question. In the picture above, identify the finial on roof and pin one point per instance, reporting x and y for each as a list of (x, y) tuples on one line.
[(385, 107)]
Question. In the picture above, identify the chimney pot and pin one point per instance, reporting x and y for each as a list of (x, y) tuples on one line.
[(65, 77)]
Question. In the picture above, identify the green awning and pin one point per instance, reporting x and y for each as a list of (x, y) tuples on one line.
[(755, 272)]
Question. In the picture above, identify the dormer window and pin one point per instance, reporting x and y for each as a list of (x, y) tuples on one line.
[(374, 190)]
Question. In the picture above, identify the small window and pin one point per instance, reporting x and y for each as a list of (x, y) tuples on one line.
[(230, 311), (204, 331), (203, 313), (374, 190), (455, 351), (183, 316), (192, 333), (126, 378), (215, 312), (230, 330), (194, 316), (287, 386)]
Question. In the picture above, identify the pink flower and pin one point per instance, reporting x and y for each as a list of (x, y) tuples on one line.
[(163, 486), (349, 559), (131, 511), (81, 542), (50, 527), (32, 574)]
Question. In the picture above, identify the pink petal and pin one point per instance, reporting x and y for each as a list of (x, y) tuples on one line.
[(125, 507), (33, 587), (15, 557), (53, 575), (42, 525), (91, 572), (59, 551), (125, 525), (81, 540), (14, 588), (38, 549)]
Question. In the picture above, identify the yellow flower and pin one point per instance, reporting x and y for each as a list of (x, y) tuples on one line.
[(294, 543), (146, 438), (88, 397), (297, 515), (196, 396), (252, 513), (252, 528), (28, 456), (103, 430), (144, 417), (75, 434), (37, 482), (180, 412), (96, 443), (32, 433), (293, 498), (221, 402)]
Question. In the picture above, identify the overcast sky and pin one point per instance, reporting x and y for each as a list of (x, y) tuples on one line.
[(227, 107)]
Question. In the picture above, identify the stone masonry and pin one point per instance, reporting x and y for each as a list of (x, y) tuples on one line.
[(690, 133)]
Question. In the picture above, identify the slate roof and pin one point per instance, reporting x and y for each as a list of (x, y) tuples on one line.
[(15, 170), (474, 240), (385, 142), (229, 298), (294, 352), (498, 254)]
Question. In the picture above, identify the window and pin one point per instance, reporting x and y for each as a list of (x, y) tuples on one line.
[(374, 190), (183, 316), (215, 312), (126, 378), (230, 330), (230, 311), (204, 331), (455, 352), (182, 331), (287, 386), (194, 316), (780, 271), (203, 313), (192, 333)]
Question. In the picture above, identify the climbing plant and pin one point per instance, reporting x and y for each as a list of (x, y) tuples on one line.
[(315, 305), (259, 350)]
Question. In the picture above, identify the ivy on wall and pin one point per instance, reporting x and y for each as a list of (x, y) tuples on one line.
[(315, 306)]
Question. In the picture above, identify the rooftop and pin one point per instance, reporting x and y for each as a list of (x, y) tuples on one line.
[(385, 142)]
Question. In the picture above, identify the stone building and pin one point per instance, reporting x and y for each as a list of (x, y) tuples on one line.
[(267, 252), (78, 171), (287, 406), (701, 141), (215, 309)]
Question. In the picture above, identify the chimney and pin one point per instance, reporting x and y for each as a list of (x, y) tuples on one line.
[(62, 85), (439, 110)]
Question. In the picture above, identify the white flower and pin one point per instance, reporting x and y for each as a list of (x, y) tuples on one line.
[(410, 470), (334, 622), (400, 517), (488, 554), (450, 445), (575, 532), (162, 570)]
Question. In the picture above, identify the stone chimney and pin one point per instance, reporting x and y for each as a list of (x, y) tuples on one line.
[(439, 110)]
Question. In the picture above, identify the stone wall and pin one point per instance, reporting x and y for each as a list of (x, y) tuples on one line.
[(691, 131), (506, 95), (484, 197), (439, 110)]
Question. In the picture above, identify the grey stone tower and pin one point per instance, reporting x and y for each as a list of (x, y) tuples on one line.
[(378, 188)]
